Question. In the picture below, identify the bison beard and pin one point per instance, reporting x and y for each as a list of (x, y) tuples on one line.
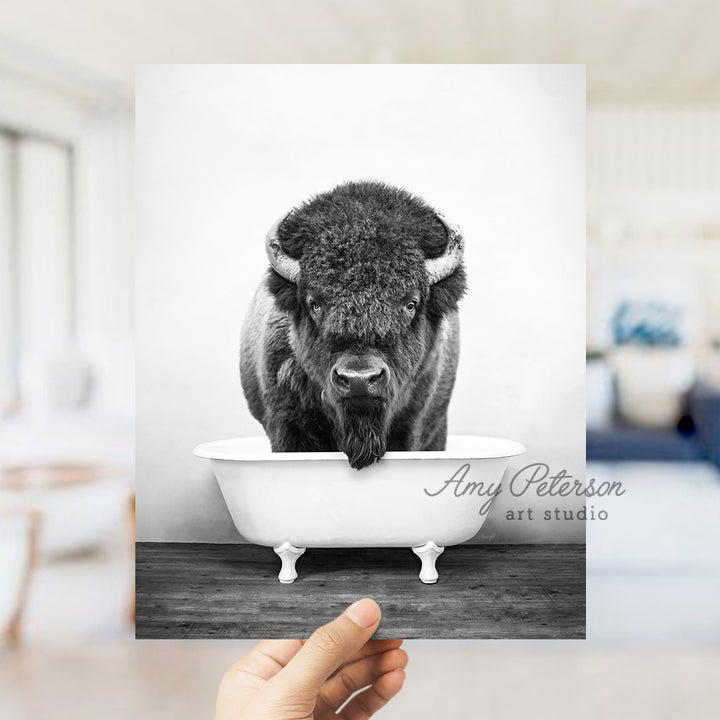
[(362, 434)]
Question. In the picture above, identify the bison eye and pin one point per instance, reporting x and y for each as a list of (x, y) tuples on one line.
[(411, 306), (315, 307)]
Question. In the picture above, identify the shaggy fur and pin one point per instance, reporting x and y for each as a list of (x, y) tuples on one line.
[(362, 248)]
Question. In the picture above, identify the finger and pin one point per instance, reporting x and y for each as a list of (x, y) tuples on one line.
[(327, 649), (374, 647), (263, 662), (365, 704), (251, 672), (358, 675), (281, 651)]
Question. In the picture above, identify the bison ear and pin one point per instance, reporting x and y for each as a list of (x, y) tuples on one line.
[(283, 290), (444, 295)]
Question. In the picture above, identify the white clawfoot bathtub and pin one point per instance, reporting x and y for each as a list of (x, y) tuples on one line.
[(420, 500)]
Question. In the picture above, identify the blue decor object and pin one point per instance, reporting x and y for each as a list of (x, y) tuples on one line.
[(653, 324)]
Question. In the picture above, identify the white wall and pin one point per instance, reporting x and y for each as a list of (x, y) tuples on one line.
[(654, 209), (223, 150), (105, 256)]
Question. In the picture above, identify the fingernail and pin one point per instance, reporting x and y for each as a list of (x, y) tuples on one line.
[(364, 613)]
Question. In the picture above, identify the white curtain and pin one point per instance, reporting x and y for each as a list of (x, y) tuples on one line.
[(45, 264), (8, 387)]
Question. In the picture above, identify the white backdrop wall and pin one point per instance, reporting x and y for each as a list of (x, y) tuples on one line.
[(221, 151)]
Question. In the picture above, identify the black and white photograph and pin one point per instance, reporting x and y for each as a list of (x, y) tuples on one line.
[(360, 300)]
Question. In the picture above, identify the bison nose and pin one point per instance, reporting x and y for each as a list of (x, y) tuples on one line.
[(353, 379)]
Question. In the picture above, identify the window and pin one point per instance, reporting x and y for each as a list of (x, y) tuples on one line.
[(37, 263)]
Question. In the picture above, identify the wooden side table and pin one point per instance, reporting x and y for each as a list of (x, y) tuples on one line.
[(28, 524)]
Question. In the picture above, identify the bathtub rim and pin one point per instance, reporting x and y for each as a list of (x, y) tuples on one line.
[(468, 448)]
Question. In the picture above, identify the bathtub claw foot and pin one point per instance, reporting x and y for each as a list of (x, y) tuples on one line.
[(428, 554), (289, 554)]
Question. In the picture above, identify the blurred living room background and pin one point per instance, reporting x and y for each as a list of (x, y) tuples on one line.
[(66, 342), (653, 368)]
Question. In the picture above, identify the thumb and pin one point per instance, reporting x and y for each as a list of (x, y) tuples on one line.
[(328, 648)]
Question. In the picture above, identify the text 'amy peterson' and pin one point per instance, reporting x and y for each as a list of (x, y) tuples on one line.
[(534, 477)]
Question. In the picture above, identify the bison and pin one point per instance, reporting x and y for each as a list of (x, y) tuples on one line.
[(351, 341)]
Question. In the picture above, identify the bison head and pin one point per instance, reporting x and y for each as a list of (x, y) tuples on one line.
[(366, 272)]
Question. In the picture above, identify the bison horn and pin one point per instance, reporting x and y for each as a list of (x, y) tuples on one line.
[(440, 267), (280, 261)]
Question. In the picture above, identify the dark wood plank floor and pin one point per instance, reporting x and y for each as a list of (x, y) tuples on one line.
[(187, 590)]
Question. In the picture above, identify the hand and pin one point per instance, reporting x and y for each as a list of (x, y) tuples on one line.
[(312, 679)]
